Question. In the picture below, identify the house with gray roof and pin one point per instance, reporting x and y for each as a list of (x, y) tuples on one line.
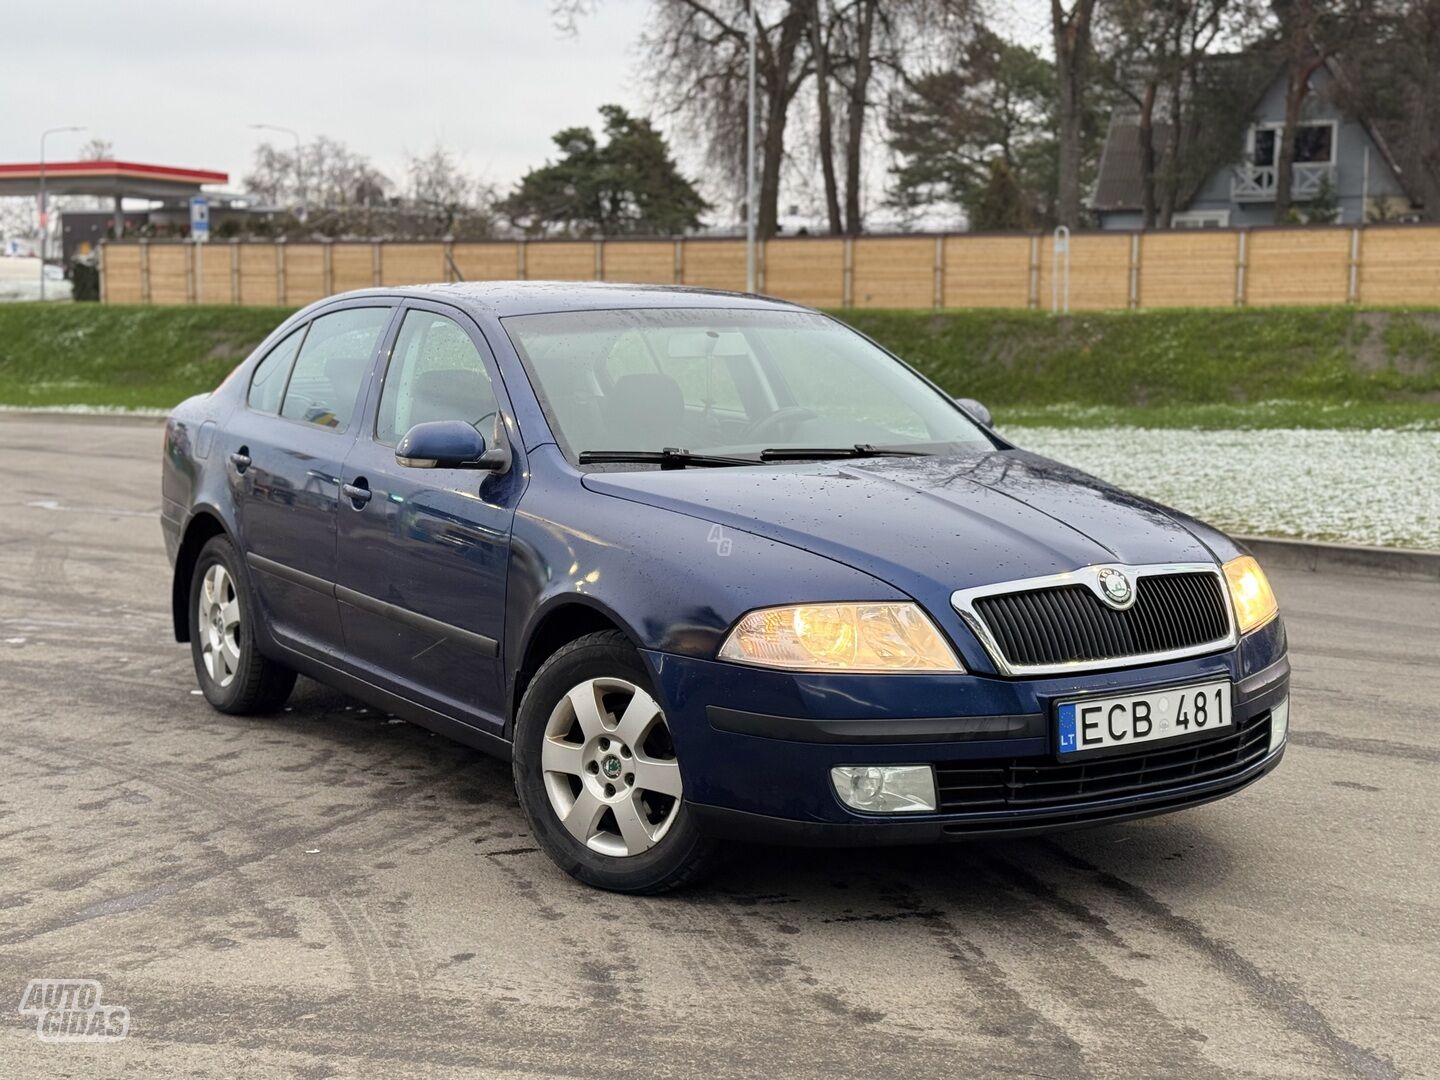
[(1341, 161)]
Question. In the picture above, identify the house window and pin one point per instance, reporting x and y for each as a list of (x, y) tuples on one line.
[(1314, 144), (1200, 219)]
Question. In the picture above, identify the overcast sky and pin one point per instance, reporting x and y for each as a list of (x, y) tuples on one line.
[(177, 82)]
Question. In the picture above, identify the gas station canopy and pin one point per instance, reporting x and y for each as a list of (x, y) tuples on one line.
[(114, 179)]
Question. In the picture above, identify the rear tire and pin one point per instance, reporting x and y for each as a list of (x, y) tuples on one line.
[(597, 776), (233, 676)]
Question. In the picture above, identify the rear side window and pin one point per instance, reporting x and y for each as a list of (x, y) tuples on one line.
[(268, 383), (332, 367)]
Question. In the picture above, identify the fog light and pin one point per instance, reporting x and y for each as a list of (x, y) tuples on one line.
[(1279, 724), (885, 789)]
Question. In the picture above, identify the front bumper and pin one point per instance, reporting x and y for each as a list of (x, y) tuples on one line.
[(756, 747)]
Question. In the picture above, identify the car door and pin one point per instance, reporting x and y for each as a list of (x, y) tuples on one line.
[(286, 448), (423, 552)]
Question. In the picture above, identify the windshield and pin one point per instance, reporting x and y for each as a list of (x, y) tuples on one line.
[(727, 382)]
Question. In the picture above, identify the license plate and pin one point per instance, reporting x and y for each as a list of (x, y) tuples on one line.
[(1106, 723)]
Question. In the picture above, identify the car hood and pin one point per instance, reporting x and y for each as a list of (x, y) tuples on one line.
[(927, 524)]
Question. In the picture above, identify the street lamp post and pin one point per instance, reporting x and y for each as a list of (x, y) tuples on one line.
[(299, 171), (750, 163), (44, 215)]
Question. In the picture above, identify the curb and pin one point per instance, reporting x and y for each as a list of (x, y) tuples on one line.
[(1316, 555), (71, 416)]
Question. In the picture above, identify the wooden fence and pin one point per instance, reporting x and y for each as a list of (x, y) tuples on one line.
[(1375, 264)]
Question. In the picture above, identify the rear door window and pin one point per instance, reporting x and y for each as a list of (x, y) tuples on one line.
[(267, 385), (330, 371)]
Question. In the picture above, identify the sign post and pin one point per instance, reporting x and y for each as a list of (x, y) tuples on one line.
[(199, 219), (200, 234)]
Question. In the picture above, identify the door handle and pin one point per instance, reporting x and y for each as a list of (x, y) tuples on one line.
[(358, 493), (241, 459)]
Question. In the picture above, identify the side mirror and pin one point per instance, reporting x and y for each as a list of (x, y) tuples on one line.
[(449, 444), (976, 410)]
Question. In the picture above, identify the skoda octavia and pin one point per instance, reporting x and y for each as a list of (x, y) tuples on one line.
[(705, 566)]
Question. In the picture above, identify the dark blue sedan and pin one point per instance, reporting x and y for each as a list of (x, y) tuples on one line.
[(705, 566)]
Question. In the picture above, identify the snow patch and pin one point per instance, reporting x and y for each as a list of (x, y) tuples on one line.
[(1362, 487)]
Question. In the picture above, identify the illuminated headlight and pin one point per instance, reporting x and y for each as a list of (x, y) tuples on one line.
[(885, 789), (1250, 593), (840, 637), (1279, 724)]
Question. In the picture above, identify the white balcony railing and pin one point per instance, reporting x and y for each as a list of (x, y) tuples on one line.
[(1256, 183)]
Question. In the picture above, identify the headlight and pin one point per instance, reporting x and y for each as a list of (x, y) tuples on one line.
[(840, 637), (1250, 593)]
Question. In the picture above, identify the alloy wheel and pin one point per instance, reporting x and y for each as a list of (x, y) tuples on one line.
[(219, 625), (609, 767)]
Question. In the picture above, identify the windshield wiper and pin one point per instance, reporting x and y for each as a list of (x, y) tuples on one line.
[(670, 458), (858, 450)]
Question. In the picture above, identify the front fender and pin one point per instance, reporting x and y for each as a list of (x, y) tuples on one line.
[(673, 581)]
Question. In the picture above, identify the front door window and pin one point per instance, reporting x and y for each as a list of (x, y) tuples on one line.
[(436, 373)]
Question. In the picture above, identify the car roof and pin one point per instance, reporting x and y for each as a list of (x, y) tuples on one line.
[(505, 298)]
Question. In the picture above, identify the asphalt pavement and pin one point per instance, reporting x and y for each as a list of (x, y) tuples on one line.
[(331, 892)]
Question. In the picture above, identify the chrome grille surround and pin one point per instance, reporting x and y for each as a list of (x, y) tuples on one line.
[(963, 600)]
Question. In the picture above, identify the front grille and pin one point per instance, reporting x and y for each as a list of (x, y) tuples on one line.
[(1037, 783), (1069, 623)]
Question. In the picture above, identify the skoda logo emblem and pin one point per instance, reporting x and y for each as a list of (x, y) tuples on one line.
[(1116, 587)]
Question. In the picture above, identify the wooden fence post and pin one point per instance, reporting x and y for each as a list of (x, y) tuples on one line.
[(599, 260), (1352, 293), (104, 281), (235, 270), (679, 262), (145, 271), (939, 271), (1134, 270), (327, 268), (1033, 300), (1242, 244), (520, 259), (760, 265), (194, 268), (847, 274), (280, 272), (447, 251), (377, 269)]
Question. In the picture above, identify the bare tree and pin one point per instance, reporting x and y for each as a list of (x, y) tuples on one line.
[(1152, 52), (862, 26), (335, 177), (857, 51), (875, 48), (1311, 33), (449, 198), (697, 52), (821, 31), (98, 149), (1391, 77), (17, 218), (1072, 35)]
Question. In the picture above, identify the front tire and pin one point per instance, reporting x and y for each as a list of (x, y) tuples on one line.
[(597, 776), (233, 676)]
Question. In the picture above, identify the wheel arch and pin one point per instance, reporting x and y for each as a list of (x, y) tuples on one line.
[(555, 625), (203, 526)]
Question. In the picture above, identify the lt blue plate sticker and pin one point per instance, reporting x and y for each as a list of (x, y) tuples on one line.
[(1067, 728)]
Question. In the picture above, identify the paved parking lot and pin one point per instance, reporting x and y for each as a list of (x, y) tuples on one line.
[(331, 893)]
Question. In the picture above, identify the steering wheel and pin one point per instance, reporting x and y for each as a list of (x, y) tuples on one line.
[(768, 426)]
